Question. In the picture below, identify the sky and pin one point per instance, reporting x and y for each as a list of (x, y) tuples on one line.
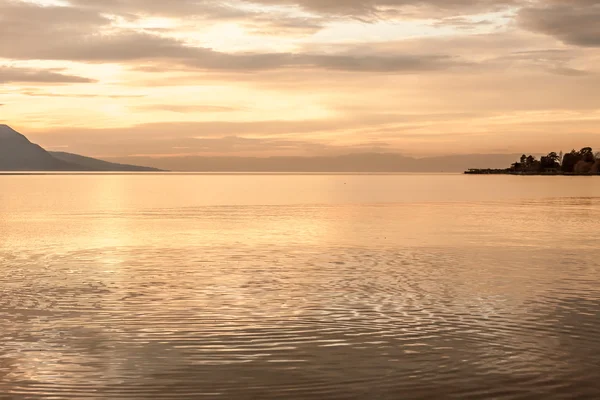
[(123, 78)]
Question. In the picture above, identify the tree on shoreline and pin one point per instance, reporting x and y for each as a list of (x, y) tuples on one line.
[(550, 161), (582, 162)]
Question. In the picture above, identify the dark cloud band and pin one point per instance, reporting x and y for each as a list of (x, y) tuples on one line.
[(27, 75)]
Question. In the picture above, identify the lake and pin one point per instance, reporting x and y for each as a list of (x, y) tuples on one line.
[(299, 286)]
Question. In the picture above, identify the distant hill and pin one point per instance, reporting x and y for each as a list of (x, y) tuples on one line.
[(17, 153), (94, 164), (363, 162)]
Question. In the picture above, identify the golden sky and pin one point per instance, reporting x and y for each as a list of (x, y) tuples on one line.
[(116, 78)]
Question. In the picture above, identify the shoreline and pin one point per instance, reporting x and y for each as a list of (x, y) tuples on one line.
[(508, 172)]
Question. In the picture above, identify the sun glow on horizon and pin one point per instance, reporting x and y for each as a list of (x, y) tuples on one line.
[(437, 76)]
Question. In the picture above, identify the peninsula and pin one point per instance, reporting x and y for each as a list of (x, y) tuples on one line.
[(582, 162)]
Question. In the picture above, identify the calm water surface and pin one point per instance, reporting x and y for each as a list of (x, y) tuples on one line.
[(299, 287)]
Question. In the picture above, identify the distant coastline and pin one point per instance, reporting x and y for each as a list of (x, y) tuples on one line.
[(575, 163)]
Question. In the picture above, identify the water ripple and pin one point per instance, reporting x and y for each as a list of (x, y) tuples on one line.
[(257, 322)]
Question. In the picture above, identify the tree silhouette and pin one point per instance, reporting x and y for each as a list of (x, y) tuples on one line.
[(551, 161), (587, 155), (570, 160), (530, 160), (582, 162), (523, 159), (553, 156)]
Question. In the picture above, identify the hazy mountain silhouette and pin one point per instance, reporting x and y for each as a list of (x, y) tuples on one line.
[(93, 164), (362, 162), (17, 153)]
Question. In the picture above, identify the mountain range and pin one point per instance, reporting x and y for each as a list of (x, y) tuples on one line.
[(349, 163), (17, 153)]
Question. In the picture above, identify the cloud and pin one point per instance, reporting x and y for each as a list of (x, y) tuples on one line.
[(27, 75), (577, 22), (236, 144), (434, 134), (24, 22), (218, 136), (342, 82), (368, 9), (245, 8), (135, 46), (172, 8), (554, 61), (256, 19), (181, 108), (85, 33), (463, 23), (41, 93), (183, 139)]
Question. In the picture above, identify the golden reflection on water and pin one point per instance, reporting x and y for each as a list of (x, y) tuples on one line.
[(298, 287)]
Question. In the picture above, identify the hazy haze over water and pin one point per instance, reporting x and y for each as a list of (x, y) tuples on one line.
[(292, 286)]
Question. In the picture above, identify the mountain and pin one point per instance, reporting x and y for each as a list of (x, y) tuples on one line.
[(93, 164), (362, 162), (17, 153)]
